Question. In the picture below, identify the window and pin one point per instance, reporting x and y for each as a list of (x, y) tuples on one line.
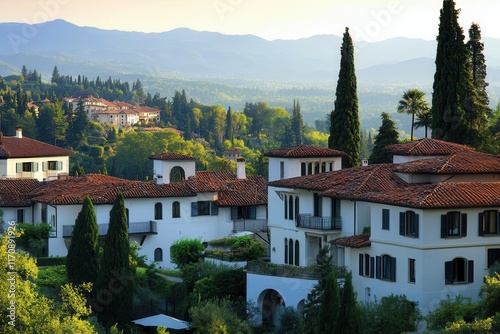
[(290, 207), (385, 219), (286, 250), (296, 207), (386, 268), (408, 224), (290, 251), (282, 169), (366, 265), (54, 165), (316, 168), (204, 208), (297, 253), (335, 207), (493, 256), (318, 207), (303, 168), (158, 255), (158, 211), (454, 224), (488, 222), (244, 212), (309, 168), (286, 205), (411, 270), (459, 270), (176, 209), (26, 167), (20, 215)]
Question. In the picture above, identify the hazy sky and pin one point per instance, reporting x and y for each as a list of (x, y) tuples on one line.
[(368, 20)]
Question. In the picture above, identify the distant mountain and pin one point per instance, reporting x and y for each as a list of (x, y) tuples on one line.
[(212, 64)]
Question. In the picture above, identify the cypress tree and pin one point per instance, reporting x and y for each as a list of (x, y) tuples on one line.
[(455, 114), (115, 277), (297, 125), (229, 125), (344, 119), (330, 304), (387, 135), (348, 319), (82, 259)]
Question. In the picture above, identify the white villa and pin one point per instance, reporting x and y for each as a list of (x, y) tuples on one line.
[(199, 204), (433, 218)]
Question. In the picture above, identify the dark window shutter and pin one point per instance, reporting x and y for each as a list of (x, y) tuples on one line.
[(470, 271), (463, 227), (253, 212), (393, 269), (448, 272), (372, 267), (401, 223), (480, 223), (444, 226), (194, 209), (416, 225), (234, 212), (498, 222), (377, 269), (361, 264), (214, 209)]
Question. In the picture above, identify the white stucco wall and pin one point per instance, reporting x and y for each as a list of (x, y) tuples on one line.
[(163, 168), (292, 166), (8, 168)]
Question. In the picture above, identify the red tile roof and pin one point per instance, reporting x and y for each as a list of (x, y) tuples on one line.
[(242, 192), (16, 192), (304, 151), (426, 146), (462, 162), (171, 156), (355, 241), (13, 147)]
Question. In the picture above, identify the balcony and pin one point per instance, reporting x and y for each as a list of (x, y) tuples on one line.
[(133, 228), (285, 270), (240, 225), (306, 220)]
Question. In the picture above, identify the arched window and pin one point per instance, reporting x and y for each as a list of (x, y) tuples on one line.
[(177, 174), (286, 250), (285, 199), (290, 207), (158, 211), (176, 209), (297, 252), (158, 255), (459, 270), (386, 267), (290, 251), (296, 207)]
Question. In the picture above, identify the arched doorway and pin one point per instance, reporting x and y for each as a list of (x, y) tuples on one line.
[(271, 303), (177, 174)]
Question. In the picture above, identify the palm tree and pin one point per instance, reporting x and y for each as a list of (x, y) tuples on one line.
[(424, 119), (412, 103)]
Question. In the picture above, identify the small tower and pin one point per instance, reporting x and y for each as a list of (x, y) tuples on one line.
[(171, 167)]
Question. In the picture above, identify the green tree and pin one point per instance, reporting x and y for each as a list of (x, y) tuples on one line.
[(348, 319), (451, 310), (51, 123), (78, 125), (413, 103), (387, 135), (344, 119), (456, 113), (297, 125), (424, 119), (82, 259), (56, 77), (478, 63), (114, 296), (185, 251), (330, 305), (229, 125), (217, 317)]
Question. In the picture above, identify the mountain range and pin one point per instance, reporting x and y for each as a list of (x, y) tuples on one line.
[(238, 68)]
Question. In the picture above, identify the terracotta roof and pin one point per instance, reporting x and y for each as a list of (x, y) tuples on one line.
[(355, 241), (103, 189), (13, 147), (241, 192), (379, 184), (171, 156), (426, 146), (210, 181), (15, 192), (462, 162), (304, 151)]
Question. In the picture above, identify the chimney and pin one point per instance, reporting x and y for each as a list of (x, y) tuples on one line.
[(364, 162), (19, 131), (240, 168)]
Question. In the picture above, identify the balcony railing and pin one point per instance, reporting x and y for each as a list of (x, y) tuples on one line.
[(285, 270), (319, 223), (133, 228), (240, 225)]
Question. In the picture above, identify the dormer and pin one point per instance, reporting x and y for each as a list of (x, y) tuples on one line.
[(302, 160), (171, 167)]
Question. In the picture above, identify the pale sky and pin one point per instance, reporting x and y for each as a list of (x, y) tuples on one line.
[(368, 20)]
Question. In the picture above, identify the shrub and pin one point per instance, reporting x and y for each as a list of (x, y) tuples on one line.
[(185, 251), (50, 261), (451, 310)]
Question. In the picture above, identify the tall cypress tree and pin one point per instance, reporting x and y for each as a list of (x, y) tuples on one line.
[(455, 113), (229, 125), (330, 305), (387, 135), (297, 125), (348, 319), (344, 119), (82, 260), (115, 277)]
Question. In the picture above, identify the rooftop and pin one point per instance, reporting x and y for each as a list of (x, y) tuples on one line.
[(304, 151), (426, 146), (14, 147)]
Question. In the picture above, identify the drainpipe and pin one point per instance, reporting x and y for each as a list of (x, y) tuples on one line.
[(355, 216)]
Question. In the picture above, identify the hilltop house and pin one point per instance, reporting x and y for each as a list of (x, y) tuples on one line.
[(22, 157), (201, 204), (433, 218)]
